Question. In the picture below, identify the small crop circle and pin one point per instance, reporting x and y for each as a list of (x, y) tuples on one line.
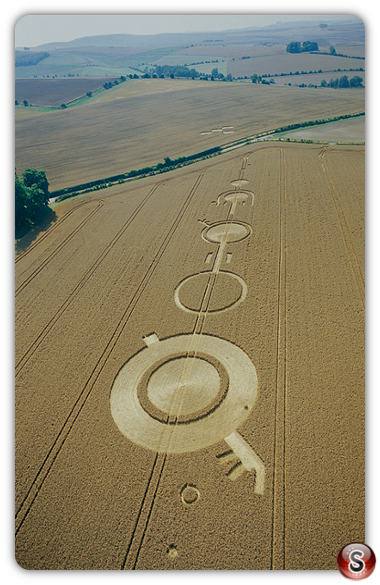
[(190, 494)]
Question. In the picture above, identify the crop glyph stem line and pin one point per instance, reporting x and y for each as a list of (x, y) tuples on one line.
[(139, 532), (142, 520)]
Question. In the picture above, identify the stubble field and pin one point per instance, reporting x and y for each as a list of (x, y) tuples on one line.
[(284, 62), (140, 123), (250, 277)]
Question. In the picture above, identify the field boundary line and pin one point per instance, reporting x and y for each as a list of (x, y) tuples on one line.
[(279, 443), (75, 411), (344, 227), (68, 238)]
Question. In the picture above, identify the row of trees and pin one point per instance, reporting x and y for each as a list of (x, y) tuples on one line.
[(109, 84), (259, 79), (169, 163), (160, 167), (343, 82), (31, 196), (316, 122), (175, 71)]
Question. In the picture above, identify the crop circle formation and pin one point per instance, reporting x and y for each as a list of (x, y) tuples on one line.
[(229, 290), (230, 232), (155, 397)]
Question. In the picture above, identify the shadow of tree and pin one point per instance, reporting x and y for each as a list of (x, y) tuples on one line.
[(28, 234)]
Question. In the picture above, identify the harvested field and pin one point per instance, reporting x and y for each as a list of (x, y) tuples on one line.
[(123, 131), (291, 62), (316, 78), (238, 51), (54, 92), (351, 130), (246, 271)]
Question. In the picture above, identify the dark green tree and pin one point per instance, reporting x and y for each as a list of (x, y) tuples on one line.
[(294, 47), (309, 46), (343, 81), (21, 203), (36, 202), (356, 81), (33, 177), (333, 82), (332, 50), (31, 196)]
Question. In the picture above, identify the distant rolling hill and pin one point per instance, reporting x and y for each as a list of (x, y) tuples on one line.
[(123, 54)]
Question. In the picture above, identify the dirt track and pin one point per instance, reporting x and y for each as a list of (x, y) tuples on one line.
[(95, 301)]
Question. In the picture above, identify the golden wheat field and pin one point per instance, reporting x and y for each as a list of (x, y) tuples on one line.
[(186, 347), (142, 122)]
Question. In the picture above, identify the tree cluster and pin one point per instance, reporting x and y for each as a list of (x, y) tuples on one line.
[(175, 71), (315, 122), (26, 59), (31, 196), (306, 47), (109, 84), (343, 82)]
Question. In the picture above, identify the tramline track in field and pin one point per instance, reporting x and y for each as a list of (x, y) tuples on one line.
[(359, 278), (278, 487), (52, 228), (28, 354), (54, 450), (72, 234)]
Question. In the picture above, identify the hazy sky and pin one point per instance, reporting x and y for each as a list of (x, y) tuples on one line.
[(37, 29)]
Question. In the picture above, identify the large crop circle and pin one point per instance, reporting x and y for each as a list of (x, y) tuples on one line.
[(183, 393), (228, 291)]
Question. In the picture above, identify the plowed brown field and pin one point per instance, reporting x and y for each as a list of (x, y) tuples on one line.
[(53, 92), (186, 351)]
